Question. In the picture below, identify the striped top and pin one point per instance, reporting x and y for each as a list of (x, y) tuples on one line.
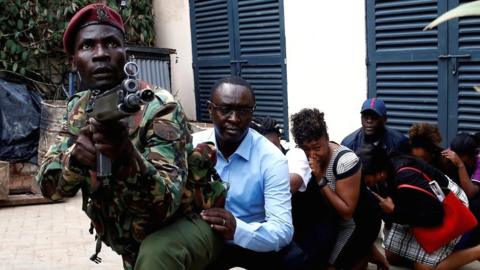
[(346, 165)]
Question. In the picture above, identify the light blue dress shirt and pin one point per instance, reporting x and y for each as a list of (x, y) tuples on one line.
[(259, 194)]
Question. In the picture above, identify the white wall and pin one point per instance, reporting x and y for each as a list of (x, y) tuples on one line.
[(172, 25), (326, 54), (326, 51)]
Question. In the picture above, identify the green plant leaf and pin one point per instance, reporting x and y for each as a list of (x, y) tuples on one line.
[(20, 24), (24, 55), (9, 43), (13, 48), (32, 32), (467, 9)]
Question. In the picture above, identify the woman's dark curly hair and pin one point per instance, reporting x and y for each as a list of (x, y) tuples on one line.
[(425, 132), (308, 125), (426, 136)]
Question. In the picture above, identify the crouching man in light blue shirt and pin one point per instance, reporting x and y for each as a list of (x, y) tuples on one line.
[(257, 219)]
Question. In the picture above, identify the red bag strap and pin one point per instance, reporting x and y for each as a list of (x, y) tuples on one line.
[(416, 188), (416, 170)]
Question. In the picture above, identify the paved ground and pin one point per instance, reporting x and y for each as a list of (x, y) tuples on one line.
[(50, 236), (55, 236)]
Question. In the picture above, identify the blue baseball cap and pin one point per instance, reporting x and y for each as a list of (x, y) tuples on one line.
[(376, 105)]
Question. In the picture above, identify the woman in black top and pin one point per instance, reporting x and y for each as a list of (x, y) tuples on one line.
[(408, 207)]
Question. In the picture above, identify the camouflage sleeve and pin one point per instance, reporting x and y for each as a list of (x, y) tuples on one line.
[(162, 142), (58, 177)]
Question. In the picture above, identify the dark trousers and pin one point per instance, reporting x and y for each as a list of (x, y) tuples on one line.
[(289, 258)]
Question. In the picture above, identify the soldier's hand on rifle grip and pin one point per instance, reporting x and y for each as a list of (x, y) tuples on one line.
[(84, 151), (111, 139)]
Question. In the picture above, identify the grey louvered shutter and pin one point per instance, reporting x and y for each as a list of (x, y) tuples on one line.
[(424, 75), (403, 65), (245, 38), (210, 25), (464, 101), (261, 51)]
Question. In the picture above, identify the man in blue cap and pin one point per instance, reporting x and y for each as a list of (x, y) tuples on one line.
[(374, 129)]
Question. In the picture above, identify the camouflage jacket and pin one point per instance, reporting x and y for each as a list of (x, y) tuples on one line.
[(142, 195)]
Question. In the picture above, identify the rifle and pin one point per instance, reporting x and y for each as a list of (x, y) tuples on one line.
[(114, 104)]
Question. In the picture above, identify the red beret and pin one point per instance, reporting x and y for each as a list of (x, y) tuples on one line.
[(91, 14)]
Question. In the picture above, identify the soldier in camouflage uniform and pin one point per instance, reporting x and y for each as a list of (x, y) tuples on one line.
[(139, 213)]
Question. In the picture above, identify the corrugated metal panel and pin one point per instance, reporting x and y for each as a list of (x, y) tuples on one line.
[(399, 25), (153, 64), (468, 98), (409, 91), (154, 71)]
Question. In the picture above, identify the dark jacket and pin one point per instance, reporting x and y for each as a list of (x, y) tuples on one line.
[(391, 139)]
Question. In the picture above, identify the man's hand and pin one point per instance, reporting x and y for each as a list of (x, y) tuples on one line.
[(84, 151), (111, 139), (221, 221)]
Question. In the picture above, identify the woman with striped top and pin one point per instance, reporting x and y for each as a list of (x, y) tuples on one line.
[(336, 174)]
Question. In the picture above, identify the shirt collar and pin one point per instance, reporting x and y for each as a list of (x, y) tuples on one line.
[(244, 148)]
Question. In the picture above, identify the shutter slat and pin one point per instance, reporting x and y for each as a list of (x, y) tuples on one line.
[(259, 28), (421, 17), (406, 34), (409, 90), (399, 25), (208, 4), (258, 33), (266, 81), (406, 67), (256, 5), (412, 10), (406, 76), (256, 12), (407, 84), (211, 29), (402, 26), (407, 42), (468, 33), (392, 4), (468, 99), (207, 76)]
